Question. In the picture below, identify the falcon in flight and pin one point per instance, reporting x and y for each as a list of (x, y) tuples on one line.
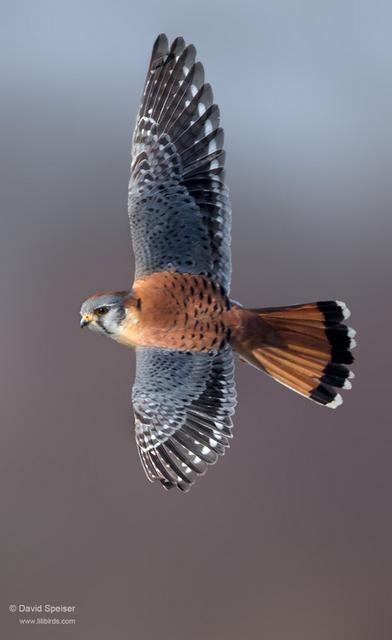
[(178, 315)]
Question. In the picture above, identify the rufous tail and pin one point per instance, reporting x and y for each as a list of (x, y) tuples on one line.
[(305, 347)]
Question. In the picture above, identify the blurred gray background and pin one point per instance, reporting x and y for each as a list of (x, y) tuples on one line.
[(289, 536)]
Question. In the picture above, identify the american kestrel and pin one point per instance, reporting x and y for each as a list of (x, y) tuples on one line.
[(178, 314)]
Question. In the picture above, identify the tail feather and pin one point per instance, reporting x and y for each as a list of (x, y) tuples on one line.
[(304, 347)]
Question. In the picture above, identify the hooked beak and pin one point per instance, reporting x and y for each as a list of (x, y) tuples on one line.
[(85, 321)]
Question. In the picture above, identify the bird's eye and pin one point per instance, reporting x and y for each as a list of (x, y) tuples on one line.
[(100, 311)]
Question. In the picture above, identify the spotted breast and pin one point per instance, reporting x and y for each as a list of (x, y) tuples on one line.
[(180, 311)]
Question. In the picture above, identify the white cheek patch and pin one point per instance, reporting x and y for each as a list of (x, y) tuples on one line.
[(93, 326)]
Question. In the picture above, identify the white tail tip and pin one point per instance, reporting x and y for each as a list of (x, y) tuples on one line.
[(345, 310)]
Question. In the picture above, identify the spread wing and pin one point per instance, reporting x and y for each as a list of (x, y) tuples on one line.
[(178, 203), (183, 403)]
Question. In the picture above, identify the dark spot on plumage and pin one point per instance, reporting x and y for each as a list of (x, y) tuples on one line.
[(196, 324), (341, 357), (213, 286), (336, 370), (216, 327), (201, 295), (195, 313), (214, 341), (186, 317), (338, 337), (201, 336), (138, 304), (192, 290), (335, 375), (228, 334), (182, 287), (209, 299), (215, 307), (331, 311), (193, 335), (322, 394), (222, 344)]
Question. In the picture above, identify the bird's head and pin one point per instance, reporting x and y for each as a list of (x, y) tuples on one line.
[(105, 312)]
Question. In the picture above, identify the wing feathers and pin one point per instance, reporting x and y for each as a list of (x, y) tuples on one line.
[(183, 407), (174, 90), (182, 116), (178, 142)]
